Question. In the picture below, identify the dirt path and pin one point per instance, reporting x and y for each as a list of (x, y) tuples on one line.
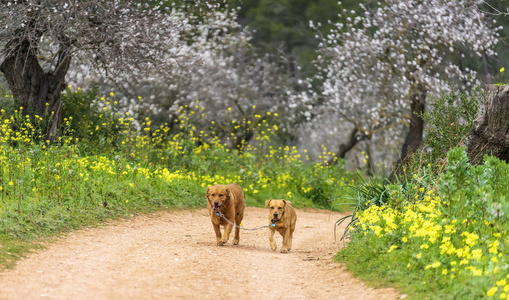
[(172, 255)]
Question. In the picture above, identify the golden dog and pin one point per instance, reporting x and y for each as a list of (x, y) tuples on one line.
[(229, 201), (282, 217)]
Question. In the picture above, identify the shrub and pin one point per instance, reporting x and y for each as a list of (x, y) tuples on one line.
[(449, 121)]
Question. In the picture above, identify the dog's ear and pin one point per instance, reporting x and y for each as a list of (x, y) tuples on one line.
[(267, 203), (229, 194), (208, 192)]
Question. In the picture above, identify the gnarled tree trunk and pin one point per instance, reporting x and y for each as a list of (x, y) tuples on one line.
[(490, 132), (38, 92)]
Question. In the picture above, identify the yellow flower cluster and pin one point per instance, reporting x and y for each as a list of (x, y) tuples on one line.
[(446, 245)]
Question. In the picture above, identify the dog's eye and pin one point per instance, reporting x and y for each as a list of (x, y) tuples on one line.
[(221, 195), (271, 207), (279, 208), (213, 195)]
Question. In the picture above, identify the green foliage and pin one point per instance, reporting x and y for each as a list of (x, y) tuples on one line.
[(81, 107), (450, 120), (438, 234), (93, 120), (7, 102), (365, 193)]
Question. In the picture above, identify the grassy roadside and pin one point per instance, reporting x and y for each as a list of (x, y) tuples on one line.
[(436, 235), (14, 249), (30, 230)]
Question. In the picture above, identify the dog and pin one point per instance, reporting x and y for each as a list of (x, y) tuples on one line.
[(282, 218), (229, 201)]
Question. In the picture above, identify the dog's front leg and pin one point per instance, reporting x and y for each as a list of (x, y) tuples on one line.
[(287, 242), (218, 234), (226, 233), (272, 242), (237, 236)]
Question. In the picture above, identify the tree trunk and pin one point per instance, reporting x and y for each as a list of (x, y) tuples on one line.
[(414, 137), (38, 92), (490, 132), (353, 139)]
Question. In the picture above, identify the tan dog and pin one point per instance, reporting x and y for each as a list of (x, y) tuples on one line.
[(282, 217), (228, 200)]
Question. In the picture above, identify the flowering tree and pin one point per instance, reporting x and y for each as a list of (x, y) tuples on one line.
[(202, 43), (215, 71), (382, 65), (238, 94), (40, 39)]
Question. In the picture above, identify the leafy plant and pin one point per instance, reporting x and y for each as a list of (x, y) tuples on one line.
[(449, 121), (365, 195)]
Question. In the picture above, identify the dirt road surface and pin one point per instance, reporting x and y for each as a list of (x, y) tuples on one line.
[(172, 255)]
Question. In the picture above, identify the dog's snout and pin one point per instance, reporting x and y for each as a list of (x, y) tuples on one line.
[(216, 203), (275, 215)]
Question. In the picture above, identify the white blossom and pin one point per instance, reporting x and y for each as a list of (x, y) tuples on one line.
[(370, 69)]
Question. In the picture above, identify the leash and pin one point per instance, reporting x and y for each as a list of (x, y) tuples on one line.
[(220, 214)]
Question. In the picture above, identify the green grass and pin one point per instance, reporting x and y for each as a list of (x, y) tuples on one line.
[(37, 224), (14, 248)]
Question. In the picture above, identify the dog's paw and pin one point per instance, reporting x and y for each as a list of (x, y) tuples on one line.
[(220, 243), (284, 250), (235, 242)]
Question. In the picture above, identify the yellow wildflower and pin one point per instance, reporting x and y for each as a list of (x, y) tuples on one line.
[(491, 292)]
